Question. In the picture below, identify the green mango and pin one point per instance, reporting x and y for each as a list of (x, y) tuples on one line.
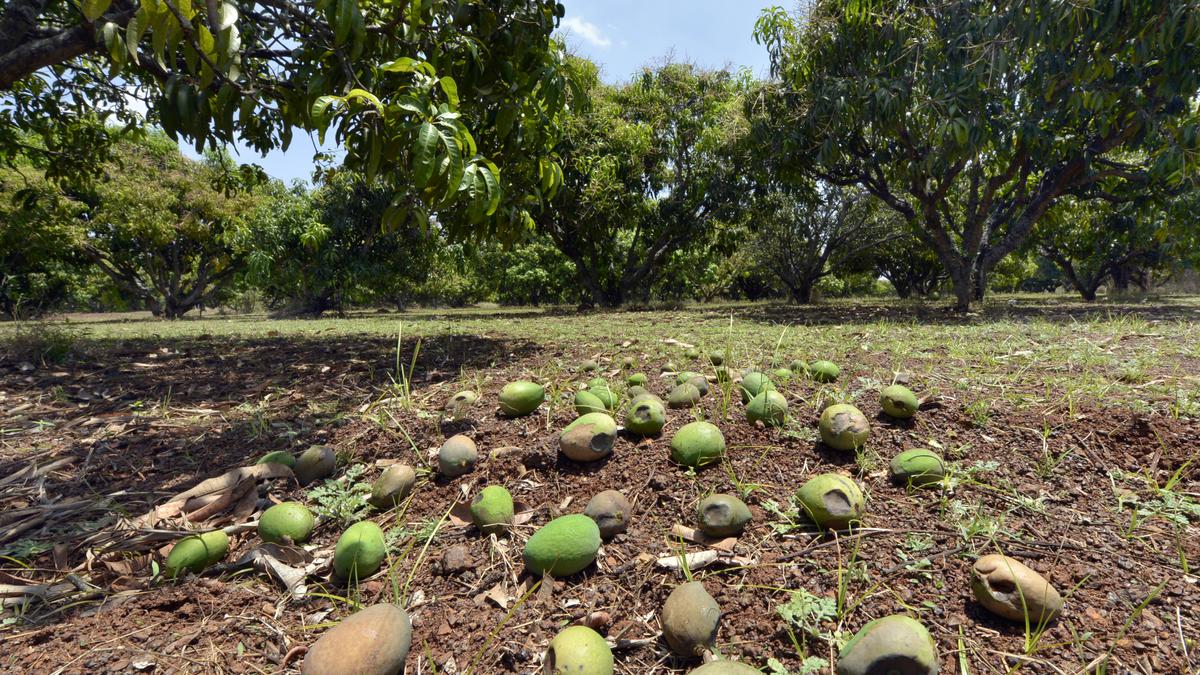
[(697, 444), (844, 427), (315, 463), (589, 366), (831, 500), (587, 402), (492, 509), (753, 384), (769, 407), (286, 523), (278, 457), (725, 668), (824, 371), (685, 375), (392, 487), (607, 398), (685, 395), (645, 417), (564, 546), (722, 515), (589, 438), (691, 353), (918, 466), (799, 367), (892, 644), (518, 399), (457, 456), (597, 382), (782, 374), (898, 401), (196, 552), (359, 552), (578, 650), (637, 379), (717, 357)]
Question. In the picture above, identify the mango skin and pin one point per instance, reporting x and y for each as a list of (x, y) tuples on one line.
[(831, 500), (289, 522), (521, 398), (492, 509), (895, 643), (898, 401), (278, 457), (578, 650), (372, 641), (196, 552), (690, 618), (844, 427), (589, 438), (564, 546), (917, 467), (1007, 587), (646, 417), (697, 444), (824, 371), (360, 551)]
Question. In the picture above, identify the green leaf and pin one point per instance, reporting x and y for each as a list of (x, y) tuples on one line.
[(451, 88), (320, 107), (92, 9), (491, 177), (343, 20), (404, 64), (366, 96), (425, 154)]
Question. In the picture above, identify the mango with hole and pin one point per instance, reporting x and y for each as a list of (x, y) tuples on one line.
[(564, 546), (457, 456), (286, 523), (917, 467), (278, 457), (393, 486), (697, 444), (684, 395), (196, 552), (769, 407), (587, 402), (578, 650), (722, 515), (892, 644), (359, 552), (373, 641), (898, 401), (645, 417), (610, 509), (521, 398), (315, 463), (754, 383), (492, 510), (844, 427), (824, 371), (461, 401), (690, 618), (831, 501), (589, 438), (1007, 588)]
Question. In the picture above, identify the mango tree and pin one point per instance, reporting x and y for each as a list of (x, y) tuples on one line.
[(429, 97), (972, 119)]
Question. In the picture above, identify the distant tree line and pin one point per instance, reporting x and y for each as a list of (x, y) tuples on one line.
[(917, 149)]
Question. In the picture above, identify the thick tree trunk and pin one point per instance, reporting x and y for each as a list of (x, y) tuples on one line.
[(964, 289), (802, 292)]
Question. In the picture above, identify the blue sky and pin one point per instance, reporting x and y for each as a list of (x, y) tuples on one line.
[(622, 36)]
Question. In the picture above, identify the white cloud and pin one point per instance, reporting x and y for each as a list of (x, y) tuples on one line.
[(586, 30)]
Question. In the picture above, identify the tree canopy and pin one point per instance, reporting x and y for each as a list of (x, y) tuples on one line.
[(972, 119), (432, 98)]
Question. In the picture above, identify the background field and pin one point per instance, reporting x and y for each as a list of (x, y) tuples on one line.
[(1071, 429)]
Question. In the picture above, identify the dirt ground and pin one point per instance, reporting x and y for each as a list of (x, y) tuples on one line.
[(1101, 499)]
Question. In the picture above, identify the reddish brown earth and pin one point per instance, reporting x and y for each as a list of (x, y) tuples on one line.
[(311, 392)]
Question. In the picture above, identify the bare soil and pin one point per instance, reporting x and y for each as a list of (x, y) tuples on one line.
[(138, 422)]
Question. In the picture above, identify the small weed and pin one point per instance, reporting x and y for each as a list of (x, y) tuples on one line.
[(980, 413), (343, 500), (789, 519), (805, 616)]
